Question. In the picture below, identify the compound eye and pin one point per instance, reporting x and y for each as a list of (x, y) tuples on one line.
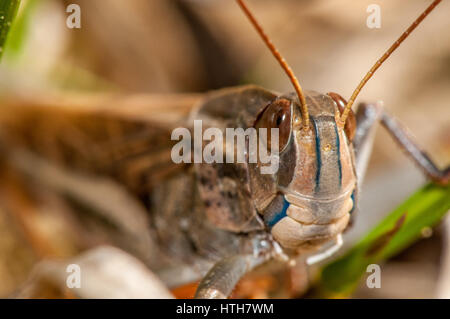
[(350, 123), (276, 115)]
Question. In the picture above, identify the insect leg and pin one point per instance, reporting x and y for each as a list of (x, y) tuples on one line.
[(220, 281), (404, 139), (327, 253), (367, 116)]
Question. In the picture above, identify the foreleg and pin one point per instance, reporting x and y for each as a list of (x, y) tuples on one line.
[(220, 281)]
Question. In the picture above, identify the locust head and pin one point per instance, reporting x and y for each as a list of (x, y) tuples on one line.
[(316, 180)]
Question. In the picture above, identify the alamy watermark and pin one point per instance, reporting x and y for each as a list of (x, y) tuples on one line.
[(239, 146), (74, 279), (73, 21), (374, 19), (374, 279)]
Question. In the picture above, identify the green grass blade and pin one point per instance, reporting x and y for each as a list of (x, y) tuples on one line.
[(8, 10), (396, 232)]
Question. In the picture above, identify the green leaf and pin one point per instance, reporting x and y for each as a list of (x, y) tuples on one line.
[(396, 232), (8, 10), (20, 30)]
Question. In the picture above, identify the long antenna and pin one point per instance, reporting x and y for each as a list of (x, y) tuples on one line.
[(383, 58), (282, 61)]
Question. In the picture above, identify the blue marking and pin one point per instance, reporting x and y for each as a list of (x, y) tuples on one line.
[(280, 215), (354, 204), (318, 157), (338, 150)]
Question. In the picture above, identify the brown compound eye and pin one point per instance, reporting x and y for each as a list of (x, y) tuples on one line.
[(277, 115), (350, 123)]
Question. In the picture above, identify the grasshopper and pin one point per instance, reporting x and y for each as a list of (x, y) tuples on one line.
[(214, 221)]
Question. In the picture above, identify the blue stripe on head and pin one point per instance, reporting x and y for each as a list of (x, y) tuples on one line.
[(332, 170), (318, 157), (280, 215), (338, 151)]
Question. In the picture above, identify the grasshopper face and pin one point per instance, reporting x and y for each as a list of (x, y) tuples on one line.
[(316, 178)]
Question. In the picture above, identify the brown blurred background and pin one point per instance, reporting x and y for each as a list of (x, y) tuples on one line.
[(173, 46)]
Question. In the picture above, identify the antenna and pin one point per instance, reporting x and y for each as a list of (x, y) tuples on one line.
[(384, 58), (281, 60)]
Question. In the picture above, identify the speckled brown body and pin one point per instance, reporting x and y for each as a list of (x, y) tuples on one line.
[(199, 213)]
